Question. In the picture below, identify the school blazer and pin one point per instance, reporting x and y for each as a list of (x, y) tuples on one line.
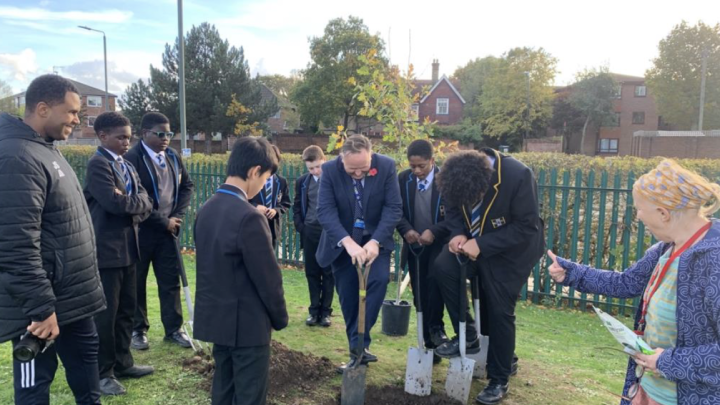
[(511, 237), (115, 216), (184, 186), (281, 201), (239, 296)]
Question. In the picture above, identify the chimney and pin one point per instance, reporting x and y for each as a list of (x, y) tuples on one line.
[(435, 71)]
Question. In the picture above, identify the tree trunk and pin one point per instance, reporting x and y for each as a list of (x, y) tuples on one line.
[(346, 119), (582, 138)]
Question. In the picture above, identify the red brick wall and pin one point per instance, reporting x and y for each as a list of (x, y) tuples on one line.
[(84, 130), (428, 108), (626, 106), (680, 147)]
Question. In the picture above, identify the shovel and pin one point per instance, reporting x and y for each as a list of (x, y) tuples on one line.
[(460, 371), (188, 326), (418, 373), (480, 357), (353, 383)]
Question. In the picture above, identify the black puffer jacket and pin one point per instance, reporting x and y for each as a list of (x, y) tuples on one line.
[(47, 244)]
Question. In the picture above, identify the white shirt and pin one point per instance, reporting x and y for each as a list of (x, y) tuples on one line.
[(154, 155), (317, 178), (428, 180), (114, 155)]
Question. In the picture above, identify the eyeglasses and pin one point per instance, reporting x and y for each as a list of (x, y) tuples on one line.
[(168, 135), (639, 372)]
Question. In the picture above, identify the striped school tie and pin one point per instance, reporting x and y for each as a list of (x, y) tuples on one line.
[(126, 175), (475, 220), (268, 193)]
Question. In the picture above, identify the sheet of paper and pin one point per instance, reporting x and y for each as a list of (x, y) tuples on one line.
[(624, 335)]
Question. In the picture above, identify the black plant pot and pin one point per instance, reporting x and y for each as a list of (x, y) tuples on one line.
[(395, 318)]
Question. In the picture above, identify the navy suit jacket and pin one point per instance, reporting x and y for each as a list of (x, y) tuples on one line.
[(336, 206)]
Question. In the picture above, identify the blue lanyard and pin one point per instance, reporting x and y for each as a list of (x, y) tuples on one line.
[(222, 190)]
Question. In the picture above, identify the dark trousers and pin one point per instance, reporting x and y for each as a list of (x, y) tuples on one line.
[(241, 375), (321, 282), (430, 296), (77, 347), (158, 248), (115, 323), (497, 310), (346, 282)]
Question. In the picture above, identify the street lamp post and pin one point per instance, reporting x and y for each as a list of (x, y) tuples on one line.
[(107, 97), (181, 79)]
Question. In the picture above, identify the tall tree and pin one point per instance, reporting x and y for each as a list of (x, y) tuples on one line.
[(214, 73), (471, 78), (135, 102), (6, 102), (517, 95), (325, 95), (566, 119), (675, 78), (592, 94)]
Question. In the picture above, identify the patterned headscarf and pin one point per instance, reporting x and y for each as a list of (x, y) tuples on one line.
[(671, 186)]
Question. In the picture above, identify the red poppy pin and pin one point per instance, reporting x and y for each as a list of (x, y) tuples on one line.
[(372, 172)]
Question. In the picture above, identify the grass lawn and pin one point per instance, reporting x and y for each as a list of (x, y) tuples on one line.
[(558, 364)]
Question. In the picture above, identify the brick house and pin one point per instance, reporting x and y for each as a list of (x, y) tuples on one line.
[(635, 110), (286, 118), (443, 102), (93, 102)]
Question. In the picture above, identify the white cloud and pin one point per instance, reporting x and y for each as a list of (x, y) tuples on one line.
[(40, 14), (19, 65)]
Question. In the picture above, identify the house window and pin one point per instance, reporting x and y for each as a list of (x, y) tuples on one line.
[(638, 117), (640, 91), (415, 113), (277, 114), (91, 121), (442, 106), (94, 101), (608, 146), (617, 92)]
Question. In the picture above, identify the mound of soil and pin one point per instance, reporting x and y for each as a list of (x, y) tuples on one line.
[(290, 370), (395, 395)]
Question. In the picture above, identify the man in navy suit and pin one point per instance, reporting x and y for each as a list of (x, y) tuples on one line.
[(358, 229)]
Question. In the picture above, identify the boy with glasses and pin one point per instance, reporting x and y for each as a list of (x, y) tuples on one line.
[(163, 175)]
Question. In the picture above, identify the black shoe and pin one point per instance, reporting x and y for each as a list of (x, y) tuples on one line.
[(492, 394), (451, 349), (135, 371), (325, 321), (438, 337), (436, 359), (312, 320), (179, 338), (514, 367), (368, 357), (140, 341), (111, 386)]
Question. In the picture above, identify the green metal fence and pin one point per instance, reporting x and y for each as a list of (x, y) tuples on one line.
[(589, 217)]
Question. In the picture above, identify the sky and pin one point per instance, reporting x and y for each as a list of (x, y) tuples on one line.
[(41, 36)]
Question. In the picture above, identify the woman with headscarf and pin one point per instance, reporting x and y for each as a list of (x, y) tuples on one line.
[(679, 281)]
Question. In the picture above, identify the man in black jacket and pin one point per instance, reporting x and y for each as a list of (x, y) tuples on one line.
[(321, 282), (49, 281), (423, 230), (494, 220), (239, 297), (273, 201), (163, 175), (117, 203)]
